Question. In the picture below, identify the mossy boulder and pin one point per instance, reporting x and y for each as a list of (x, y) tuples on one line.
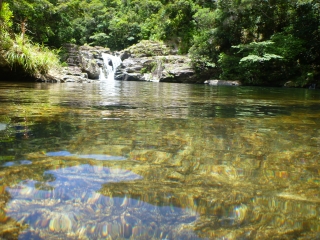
[(146, 48)]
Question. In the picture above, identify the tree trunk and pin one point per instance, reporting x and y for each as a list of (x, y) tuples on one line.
[(0, 5)]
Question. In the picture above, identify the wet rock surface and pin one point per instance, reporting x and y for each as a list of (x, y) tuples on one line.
[(145, 61), (90, 60), (222, 83), (154, 61), (84, 63), (66, 74)]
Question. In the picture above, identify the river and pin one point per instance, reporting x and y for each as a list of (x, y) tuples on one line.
[(144, 160)]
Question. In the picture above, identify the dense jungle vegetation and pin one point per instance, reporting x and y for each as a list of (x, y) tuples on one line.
[(260, 42)]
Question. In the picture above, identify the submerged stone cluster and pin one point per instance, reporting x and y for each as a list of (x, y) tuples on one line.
[(171, 167)]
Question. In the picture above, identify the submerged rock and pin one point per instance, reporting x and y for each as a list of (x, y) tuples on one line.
[(3, 126)]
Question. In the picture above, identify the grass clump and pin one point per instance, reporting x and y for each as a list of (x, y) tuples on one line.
[(20, 54), (33, 59)]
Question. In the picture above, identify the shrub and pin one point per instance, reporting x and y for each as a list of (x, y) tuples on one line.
[(33, 59)]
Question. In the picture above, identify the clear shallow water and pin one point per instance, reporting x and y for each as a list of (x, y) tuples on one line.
[(131, 160)]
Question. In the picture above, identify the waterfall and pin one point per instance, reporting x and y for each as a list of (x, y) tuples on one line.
[(110, 66), (102, 75)]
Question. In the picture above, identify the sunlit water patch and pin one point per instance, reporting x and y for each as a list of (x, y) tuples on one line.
[(3, 126), (59, 154), (102, 157), (245, 159), (69, 206), (99, 157), (16, 163)]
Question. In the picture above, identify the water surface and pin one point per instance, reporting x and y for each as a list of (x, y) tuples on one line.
[(142, 160)]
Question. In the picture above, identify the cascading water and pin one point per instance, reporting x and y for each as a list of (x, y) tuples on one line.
[(110, 66)]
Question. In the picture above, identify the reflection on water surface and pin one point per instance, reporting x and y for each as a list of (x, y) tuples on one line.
[(135, 160), (93, 156), (70, 206)]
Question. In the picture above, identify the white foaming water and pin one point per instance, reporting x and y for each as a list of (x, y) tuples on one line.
[(109, 69), (102, 76)]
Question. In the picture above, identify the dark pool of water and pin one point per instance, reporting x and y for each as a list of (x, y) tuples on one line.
[(142, 160)]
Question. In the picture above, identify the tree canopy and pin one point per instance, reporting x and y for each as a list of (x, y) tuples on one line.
[(256, 41)]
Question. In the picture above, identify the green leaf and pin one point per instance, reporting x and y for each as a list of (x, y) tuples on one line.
[(252, 58), (255, 58)]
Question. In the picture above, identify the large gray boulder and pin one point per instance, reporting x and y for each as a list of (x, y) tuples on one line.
[(90, 60), (86, 58), (222, 83), (154, 61), (70, 54), (178, 68)]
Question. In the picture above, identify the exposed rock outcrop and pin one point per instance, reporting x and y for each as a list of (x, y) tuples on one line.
[(154, 61), (223, 83), (84, 62), (90, 60), (145, 61)]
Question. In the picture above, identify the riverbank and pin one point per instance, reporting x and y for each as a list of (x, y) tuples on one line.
[(146, 61)]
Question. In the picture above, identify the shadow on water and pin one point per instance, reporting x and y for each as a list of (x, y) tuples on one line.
[(113, 107), (22, 136), (232, 110)]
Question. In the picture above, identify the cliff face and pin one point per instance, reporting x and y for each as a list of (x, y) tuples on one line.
[(84, 63)]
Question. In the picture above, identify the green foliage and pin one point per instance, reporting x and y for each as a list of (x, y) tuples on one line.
[(5, 24), (99, 39), (256, 58), (5, 41), (288, 46), (259, 42), (6, 16), (205, 49), (151, 67), (33, 59), (230, 68), (257, 52), (279, 38), (39, 16), (124, 32)]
